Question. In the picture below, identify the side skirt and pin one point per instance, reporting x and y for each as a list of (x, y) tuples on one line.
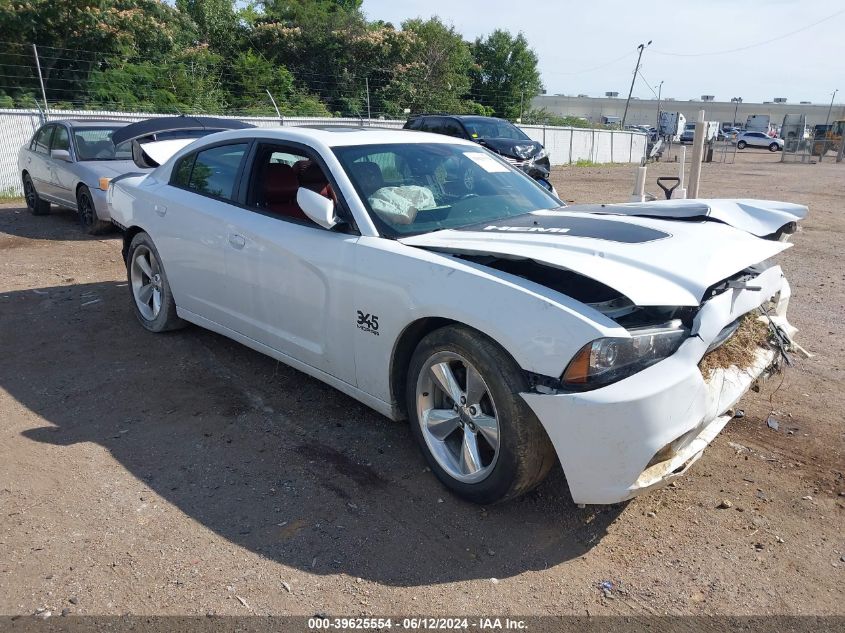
[(371, 401)]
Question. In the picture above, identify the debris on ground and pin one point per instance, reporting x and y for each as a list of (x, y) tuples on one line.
[(738, 350), (772, 423), (739, 414), (725, 504)]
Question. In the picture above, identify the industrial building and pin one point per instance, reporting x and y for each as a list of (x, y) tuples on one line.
[(644, 111)]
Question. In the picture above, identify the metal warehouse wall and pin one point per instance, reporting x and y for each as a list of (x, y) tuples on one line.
[(644, 111), (565, 145)]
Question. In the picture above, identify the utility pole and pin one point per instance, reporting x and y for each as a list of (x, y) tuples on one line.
[(659, 94), (737, 101), (367, 84), (825, 146), (41, 79), (641, 48), (832, 97)]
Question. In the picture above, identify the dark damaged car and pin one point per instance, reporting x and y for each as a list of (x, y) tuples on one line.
[(499, 136)]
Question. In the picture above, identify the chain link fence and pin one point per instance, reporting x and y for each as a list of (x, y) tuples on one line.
[(565, 145)]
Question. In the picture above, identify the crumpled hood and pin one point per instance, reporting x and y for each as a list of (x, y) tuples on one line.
[(505, 146), (758, 217), (652, 261)]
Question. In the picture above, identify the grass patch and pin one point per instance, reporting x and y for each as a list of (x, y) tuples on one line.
[(10, 195), (585, 162), (740, 349)]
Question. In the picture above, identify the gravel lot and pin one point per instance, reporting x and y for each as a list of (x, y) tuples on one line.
[(185, 474)]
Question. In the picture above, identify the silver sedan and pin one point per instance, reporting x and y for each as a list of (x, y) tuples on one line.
[(69, 164)]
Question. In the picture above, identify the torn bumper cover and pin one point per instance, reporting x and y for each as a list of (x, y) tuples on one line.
[(638, 434)]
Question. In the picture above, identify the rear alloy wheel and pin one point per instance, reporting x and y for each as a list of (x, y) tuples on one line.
[(774, 147), (88, 219), (34, 203), (477, 433), (741, 145), (153, 301)]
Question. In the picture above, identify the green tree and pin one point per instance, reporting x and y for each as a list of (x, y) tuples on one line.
[(435, 77), (189, 83), (252, 75), (542, 116), (311, 38), (505, 77), (218, 23), (76, 37)]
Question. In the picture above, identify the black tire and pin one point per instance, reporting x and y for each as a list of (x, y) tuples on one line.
[(166, 318), (525, 452), (34, 203), (773, 147), (741, 145), (88, 220)]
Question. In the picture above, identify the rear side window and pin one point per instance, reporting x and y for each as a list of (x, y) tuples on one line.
[(42, 139), (215, 170), (453, 128), (427, 124), (182, 171)]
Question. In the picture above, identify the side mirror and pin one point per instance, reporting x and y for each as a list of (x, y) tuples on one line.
[(318, 208), (60, 154)]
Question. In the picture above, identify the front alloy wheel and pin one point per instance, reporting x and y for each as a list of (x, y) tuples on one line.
[(468, 416), (458, 417)]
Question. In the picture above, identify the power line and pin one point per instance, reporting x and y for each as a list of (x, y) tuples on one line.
[(586, 70), (756, 44)]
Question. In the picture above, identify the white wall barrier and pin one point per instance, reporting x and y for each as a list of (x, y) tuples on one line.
[(565, 145)]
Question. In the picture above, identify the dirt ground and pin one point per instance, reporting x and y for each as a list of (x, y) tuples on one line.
[(185, 474)]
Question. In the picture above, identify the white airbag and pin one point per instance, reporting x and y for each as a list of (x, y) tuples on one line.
[(399, 205)]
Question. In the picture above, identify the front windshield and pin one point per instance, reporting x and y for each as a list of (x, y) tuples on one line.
[(412, 188), (493, 128), (94, 143)]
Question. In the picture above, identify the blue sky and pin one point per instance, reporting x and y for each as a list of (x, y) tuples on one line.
[(591, 47)]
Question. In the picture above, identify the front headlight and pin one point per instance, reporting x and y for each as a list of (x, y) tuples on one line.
[(541, 154), (523, 151), (608, 360)]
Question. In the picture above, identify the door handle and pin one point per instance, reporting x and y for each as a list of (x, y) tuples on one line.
[(237, 241), (160, 209)]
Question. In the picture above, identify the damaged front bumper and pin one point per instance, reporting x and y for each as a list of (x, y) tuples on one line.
[(641, 432)]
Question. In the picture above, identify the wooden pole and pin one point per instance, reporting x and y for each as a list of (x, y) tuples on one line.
[(697, 155)]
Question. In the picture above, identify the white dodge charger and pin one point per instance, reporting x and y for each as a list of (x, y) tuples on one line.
[(430, 280)]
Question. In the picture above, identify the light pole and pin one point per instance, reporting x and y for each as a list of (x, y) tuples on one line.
[(640, 48), (737, 101)]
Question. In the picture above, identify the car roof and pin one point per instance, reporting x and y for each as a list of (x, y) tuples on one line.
[(91, 122), (461, 117), (340, 135)]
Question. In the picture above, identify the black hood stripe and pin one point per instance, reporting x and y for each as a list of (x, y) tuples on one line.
[(590, 227)]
